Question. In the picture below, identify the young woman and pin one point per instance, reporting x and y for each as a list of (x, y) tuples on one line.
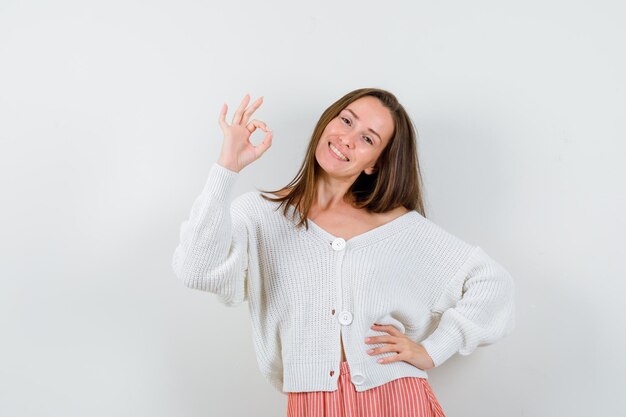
[(353, 293)]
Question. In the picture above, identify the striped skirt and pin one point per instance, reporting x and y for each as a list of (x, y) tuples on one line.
[(403, 397)]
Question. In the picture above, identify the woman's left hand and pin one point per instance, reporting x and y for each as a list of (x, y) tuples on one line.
[(408, 350)]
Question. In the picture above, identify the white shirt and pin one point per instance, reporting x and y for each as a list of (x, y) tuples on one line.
[(438, 290)]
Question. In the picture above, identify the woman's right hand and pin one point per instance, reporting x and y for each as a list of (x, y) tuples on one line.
[(237, 150)]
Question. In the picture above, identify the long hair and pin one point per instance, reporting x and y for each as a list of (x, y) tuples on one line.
[(397, 180)]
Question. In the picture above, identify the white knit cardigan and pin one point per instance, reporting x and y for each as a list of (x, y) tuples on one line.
[(306, 289)]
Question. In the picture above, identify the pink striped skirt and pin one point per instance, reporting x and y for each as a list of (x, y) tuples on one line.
[(403, 397)]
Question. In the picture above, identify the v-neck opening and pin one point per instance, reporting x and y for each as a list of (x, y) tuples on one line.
[(370, 236), (375, 234), (376, 231)]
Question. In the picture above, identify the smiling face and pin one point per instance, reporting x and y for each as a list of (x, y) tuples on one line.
[(359, 133)]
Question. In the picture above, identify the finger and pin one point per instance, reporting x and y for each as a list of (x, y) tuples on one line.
[(265, 145), (254, 124), (239, 111), (389, 359), (222, 119), (386, 348), (381, 339), (376, 351), (387, 328), (251, 109)]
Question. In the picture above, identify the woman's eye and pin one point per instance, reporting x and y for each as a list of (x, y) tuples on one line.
[(367, 138)]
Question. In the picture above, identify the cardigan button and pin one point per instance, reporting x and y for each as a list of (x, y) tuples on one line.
[(338, 244), (358, 379), (345, 317)]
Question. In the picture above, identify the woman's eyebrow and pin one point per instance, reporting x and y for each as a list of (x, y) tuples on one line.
[(370, 129)]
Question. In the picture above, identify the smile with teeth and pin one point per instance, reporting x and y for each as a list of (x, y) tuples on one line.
[(337, 152)]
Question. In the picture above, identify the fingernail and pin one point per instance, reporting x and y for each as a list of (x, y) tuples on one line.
[(368, 339)]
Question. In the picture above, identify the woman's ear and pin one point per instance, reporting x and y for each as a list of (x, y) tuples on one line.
[(370, 170)]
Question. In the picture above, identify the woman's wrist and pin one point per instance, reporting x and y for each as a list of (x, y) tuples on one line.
[(228, 165)]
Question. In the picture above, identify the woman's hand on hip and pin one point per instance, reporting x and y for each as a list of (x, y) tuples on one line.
[(408, 350), (237, 150)]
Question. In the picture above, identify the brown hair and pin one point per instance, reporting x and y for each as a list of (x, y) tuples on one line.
[(397, 180)]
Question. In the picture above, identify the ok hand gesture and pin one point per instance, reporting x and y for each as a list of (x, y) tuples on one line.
[(237, 150)]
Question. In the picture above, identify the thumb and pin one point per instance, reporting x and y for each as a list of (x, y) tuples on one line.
[(265, 144)]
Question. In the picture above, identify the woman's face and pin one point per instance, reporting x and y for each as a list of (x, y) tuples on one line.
[(360, 132)]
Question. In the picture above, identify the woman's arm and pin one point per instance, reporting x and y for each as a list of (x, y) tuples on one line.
[(212, 254), (483, 314), (213, 251)]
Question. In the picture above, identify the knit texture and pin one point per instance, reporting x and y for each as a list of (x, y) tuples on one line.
[(306, 289)]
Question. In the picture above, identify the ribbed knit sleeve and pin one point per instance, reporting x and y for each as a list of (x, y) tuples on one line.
[(481, 295), (212, 253)]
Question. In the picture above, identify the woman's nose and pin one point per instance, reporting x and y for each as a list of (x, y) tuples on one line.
[(347, 139), (345, 142)]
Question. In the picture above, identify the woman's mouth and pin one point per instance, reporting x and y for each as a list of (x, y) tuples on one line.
[(337, 153)]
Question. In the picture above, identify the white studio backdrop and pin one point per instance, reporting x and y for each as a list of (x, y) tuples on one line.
[(108, 127)]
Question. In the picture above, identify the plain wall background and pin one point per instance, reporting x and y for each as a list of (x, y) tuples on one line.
[(108, 127)]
